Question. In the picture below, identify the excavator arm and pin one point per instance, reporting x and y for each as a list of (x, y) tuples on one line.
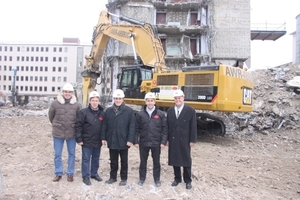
[(141, 36)]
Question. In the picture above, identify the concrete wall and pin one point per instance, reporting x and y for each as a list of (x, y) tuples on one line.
[(230, 23)]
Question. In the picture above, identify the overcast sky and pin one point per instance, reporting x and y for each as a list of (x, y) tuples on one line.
[(51, 20)]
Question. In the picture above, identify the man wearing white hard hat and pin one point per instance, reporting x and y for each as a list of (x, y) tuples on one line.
[(182, 135), (118, 134), (88, 136), (62, 115), (151, 135)]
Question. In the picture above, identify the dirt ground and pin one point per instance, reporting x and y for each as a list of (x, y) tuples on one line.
[(249, 167)]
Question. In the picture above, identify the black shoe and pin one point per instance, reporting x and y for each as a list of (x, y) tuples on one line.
[(175, 183), (110, 181), (141, 182), (122, 183), (188, 186), (157, 183), (87, 181), (97, 178)]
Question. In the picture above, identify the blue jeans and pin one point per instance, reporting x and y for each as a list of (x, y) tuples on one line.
[(58, 147), (90, 160)]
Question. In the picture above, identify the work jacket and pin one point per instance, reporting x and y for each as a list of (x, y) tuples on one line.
[(151, 131), (89, 126)]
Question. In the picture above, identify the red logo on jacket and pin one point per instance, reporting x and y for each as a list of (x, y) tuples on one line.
[(156, 117), (101, 118)]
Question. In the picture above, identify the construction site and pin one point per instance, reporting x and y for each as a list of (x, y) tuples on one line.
[(257, 158)]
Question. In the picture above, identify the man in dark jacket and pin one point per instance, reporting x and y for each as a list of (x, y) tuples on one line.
[(88, 135), (182, 135), (119, 134), (62, 115), (151, 134)]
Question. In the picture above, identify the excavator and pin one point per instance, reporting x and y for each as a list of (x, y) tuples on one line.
[(207, 88)]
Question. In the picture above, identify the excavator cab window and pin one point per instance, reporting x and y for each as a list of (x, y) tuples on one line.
[(131, 79)]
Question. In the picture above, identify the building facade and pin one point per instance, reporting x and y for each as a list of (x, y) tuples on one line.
[(41, 69)]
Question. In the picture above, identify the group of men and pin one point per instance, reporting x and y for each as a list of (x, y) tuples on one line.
[(119, 128)]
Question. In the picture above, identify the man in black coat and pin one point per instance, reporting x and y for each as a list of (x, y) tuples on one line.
[(182, 135), (151, 135), (88, 136), (119, 134)]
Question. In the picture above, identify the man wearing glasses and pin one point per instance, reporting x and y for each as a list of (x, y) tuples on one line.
[(62, 115)]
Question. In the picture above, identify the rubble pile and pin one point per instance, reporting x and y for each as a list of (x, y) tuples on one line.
[(276, 107)]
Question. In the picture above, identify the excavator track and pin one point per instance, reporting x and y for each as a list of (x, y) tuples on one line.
[(210, 124)]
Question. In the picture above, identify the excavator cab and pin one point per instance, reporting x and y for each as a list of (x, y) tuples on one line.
[(131, 80)]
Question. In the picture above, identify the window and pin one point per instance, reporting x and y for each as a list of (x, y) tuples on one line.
[(60, 49), (45, 78), (53, 79), (26, 88), (41, 69), (26, 78), (65, 69), (46, 69), (54, 59), (18, 58), (0, 48), (53, 89), (10, 68), (161, 17), (36, 49), (22, 78), (31, 78), (46, 59), (59, 59), (59, 69), (53, 69), (66, 49), (36, 78), (4, 78), (10, 58), (32, 48), (35, 88), (41, 59), (9, 78), (21, 88), (30, 88), (27, 49), (22, 68), (36, 58), (54, 49), (27, 58), (45, 89), (31, 68), (4, 87), (22, 58), (65, 79), (32, 58), (5, 68), (41, 78), (5, 58), (18, 49), (40, 88), (26, 68), (58, 79), (42, 49), (18, 68), (10, 49), (47, 49), (65, 59), (5, 48), (36, 68)]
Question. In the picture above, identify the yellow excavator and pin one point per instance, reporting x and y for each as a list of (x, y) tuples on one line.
[(211, 87)]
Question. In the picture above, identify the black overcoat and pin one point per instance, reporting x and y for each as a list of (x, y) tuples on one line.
[(181, 132)]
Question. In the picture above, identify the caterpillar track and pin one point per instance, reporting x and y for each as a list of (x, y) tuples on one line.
[(210, 124)]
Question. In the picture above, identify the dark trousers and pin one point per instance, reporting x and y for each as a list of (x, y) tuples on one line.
[(144, 152), (90, 161), (114, 163), (187, 174)]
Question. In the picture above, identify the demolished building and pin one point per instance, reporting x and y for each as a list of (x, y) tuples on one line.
[(192, 32)]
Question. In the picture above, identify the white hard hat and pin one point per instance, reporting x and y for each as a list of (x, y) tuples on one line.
[(150, 95), (178, 93), (68, 87), (94, 94), (118, 94)]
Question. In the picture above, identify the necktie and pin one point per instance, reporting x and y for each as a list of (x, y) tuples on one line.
[(177, 114)]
